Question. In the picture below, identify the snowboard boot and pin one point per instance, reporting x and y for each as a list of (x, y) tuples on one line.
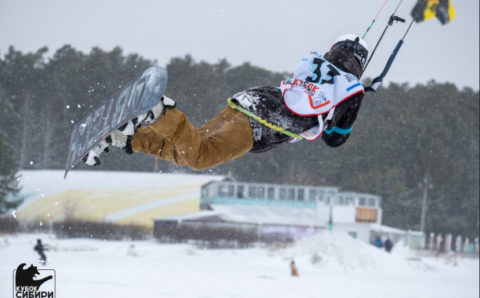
[(122, 137), (147, 118), (92, 158)]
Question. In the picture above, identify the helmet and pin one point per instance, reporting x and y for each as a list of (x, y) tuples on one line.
[(354, 42)]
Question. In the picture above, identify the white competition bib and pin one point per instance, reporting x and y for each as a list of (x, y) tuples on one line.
[(317, 86)]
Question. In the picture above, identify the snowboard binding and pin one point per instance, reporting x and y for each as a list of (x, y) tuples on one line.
[(121, 138)]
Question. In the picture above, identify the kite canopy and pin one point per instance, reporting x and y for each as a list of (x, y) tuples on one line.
[(426, 9)]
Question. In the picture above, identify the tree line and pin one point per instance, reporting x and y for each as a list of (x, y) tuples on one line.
[(404, 135)]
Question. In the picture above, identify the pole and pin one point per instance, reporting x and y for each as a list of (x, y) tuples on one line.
[(330, 217), (424, 204)]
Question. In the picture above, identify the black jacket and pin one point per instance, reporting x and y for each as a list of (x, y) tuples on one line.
[(338, 129), (267, 103)]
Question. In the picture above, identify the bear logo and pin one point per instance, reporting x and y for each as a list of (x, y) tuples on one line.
[(24, 278)]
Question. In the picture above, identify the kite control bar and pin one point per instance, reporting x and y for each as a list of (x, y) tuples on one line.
[(378, 80), (393, 18), (444, 12)]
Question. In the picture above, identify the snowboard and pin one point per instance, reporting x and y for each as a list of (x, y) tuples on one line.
[(137, 98)]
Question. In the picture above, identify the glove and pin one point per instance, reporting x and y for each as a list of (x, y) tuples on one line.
[(375, 84)]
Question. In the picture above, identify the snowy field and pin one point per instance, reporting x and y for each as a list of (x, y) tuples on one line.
[(330, 265)]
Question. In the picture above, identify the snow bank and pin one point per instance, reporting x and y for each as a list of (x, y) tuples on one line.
[(339, 251)]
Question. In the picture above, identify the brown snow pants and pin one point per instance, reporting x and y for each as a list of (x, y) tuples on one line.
[(172, 137)]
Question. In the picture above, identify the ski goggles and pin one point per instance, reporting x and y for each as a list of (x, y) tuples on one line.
[(359, 52)]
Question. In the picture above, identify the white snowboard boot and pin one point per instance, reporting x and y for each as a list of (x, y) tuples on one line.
[(121, 138)]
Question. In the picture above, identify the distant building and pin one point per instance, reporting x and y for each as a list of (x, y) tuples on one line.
[(295, 210), (103, 196)]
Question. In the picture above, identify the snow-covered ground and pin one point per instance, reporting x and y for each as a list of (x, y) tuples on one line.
[(330, 265)]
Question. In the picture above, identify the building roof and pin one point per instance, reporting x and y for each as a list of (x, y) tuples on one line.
[(119, 197), (276, 215), (386, 229)]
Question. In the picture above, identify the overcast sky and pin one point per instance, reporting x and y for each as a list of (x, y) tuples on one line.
[(273, 34)]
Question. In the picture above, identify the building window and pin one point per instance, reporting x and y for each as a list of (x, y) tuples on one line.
[(256, 192), (366, 215), (362, 201), (225, 190), (353, 234), (312, 194), (270, 193), (291, 194), (286, 193), (240, 191), (301, 194), (371, 202), (349, 201), (261, 192), (320, 198)]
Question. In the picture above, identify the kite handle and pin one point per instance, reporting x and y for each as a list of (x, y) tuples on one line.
[(378, 80)]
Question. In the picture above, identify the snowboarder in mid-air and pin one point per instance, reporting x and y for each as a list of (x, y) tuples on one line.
[(322, 99)]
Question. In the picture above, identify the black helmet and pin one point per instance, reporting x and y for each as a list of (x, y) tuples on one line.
[(356, 44), (349, 53)]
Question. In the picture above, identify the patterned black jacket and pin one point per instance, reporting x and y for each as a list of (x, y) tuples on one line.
[(268, 104)]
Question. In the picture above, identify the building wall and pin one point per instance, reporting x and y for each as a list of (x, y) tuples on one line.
[(357, 230), (343, 214), (117, 197), (323, 212)]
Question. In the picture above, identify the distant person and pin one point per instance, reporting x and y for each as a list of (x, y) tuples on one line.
[(293, 269), (388, 245), (4, 243), (131, 251), (378, 242), (40, 249)]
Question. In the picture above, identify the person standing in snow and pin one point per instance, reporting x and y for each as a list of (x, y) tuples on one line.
[(40, 249), (388, 245), (322, 99), (131, 251), (293, 269), (378, 242)]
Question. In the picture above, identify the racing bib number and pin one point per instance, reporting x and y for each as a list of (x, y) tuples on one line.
[(323, 74)]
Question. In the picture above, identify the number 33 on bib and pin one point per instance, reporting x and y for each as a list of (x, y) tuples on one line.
[(318, 86)]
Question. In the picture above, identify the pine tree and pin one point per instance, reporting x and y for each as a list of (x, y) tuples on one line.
[(8, 171)]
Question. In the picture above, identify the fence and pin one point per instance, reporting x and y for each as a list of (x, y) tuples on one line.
[(218, 234), (447, 243)]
